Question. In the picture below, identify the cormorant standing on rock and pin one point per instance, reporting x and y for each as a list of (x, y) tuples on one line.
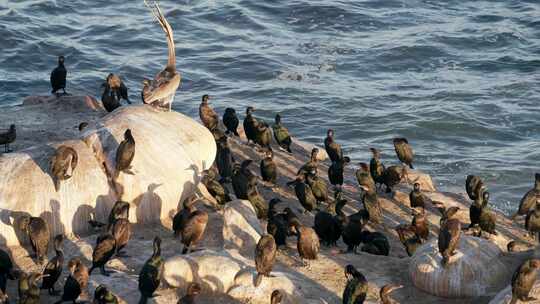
[(408, 237), (385, 293), (308, 243), (333, 149), (242, 176), (257, 200), (263, 135), (120, 209), (375, 243), (487, 218), (53, 269), (62, 165), (125, 153), (102, 295), (311, 165), (58, 77), (103, 251), (265, 255), (8, 137), (224, 159), (193, 290), (109, 99), (160, 91), (328, 227), (269, 168), (118, 87), (335, 172), (231, 122), (516, 246), (194, 230), (393, 176), (83, 125), (220, 193), (277, 224), (473, 185), (208, 116), (318, 187), (181, 217), (364, 178), (38, 233), (76, 282), (420, 224), (304, 194), (532, 222), (416, 197), (376, 167), (449, 235), (523, 280), (121, 230), (370, 200), (357, 286), (281, 134), (404, 151), (529, 199), (150, 275), (250, 125)]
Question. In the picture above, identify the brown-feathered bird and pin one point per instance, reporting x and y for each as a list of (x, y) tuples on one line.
[(355, 291), (209, 117), (62, 164), (276, 297), (8, 137), (308, 242), (449, 235), (125, 153), (257, 200), (118, 87), (404, 151), (529, 199), (364, 178), (376, 167), (109, 99), (473, 186), (420, 224), (220, 193), (371, 204), (181, 218), (416, 197), (333, 149), (392, 176), (38, 232), (263, 135), (194, 230), (281, 134), (121, 231), (265, 255), (53, 269), (409, 239), (532, 222), (104, 249), (160, 91), (77, 281), (269, 168), (523, 280)]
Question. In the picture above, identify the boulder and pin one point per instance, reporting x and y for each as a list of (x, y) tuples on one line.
[(171, 150), (214, 270), (241, 227), (505, 295), (475, 269)]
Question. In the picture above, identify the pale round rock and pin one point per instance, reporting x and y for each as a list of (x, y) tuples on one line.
[(241, 227), (475, 269)]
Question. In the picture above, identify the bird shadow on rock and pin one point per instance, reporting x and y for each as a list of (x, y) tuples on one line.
[(148, 206)]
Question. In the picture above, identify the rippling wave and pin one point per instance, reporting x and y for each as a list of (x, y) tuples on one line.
[(458, 78)]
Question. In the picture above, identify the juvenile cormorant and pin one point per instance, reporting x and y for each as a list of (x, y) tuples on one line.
[(104, 249), (181, 217), (449, 235), (265, 255), (404, 151), (416, 197), (118, 87), (529, 199), (194, 230), (125, 153), (208, 116), (38, 233), (269, 168), (523, 280), (333, 149), (62, 164)]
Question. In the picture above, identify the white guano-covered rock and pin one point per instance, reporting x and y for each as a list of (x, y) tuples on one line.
[(475, 269), (171, 150), (241, 227)]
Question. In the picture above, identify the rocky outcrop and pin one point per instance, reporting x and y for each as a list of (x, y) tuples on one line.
[(241, 228), (171, 150), (475, 269)]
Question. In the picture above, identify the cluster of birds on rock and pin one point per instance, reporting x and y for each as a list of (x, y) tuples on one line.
[(330, 222)]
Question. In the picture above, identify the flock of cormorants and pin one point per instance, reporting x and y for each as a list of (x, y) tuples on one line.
[(189, 224)]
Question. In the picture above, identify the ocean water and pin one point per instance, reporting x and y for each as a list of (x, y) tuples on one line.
[(459, 79)]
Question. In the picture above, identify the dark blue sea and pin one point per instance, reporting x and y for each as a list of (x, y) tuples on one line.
[(459, 79)]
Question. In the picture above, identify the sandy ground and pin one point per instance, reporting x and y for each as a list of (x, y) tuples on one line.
[(327, 271)]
